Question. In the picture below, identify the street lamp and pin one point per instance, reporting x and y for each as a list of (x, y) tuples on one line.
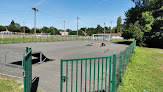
[(35, 21)]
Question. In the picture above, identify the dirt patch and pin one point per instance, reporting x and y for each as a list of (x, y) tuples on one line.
[(161, 68), (158, 51)]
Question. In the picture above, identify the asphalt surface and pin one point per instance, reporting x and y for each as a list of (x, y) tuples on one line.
[(49, 72)]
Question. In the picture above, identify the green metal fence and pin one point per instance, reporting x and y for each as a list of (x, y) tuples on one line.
[(120, 62), (86, 74), (100, 74), (27, 64), (5, 39)]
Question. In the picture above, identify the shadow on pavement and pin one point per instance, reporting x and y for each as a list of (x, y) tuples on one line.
[(35, 83), (124, 42)]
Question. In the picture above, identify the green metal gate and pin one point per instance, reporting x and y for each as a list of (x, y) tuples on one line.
[(86, 74), (100, 74), (27, 64)]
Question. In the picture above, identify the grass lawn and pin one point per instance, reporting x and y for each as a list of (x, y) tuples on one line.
[(144, 72), (10, 86)]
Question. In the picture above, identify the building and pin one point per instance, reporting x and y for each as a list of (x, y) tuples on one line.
[(64, 33), (6, 32), (106, 36)]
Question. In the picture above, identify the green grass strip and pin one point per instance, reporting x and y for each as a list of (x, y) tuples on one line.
[(144, 72)]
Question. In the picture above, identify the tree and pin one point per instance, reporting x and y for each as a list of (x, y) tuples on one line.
[(2, 28), (68, 30), (148, 17), (91, 31), (147, 21), (119, 20), (12, 23), (99, 29), (73, 33), (14, 28), (17, 25), (114, 30), (45, 29), (27, 30)]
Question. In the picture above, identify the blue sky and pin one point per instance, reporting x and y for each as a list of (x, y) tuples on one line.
[(54, 12)]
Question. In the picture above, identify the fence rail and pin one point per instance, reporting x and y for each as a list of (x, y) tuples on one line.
[(100, 74), (10, 38)]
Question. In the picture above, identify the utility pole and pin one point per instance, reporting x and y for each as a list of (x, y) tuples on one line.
[(110, 29), (85, 32), (77, 27), (104, 31), (64, 26), (23, 28), (35, 20)]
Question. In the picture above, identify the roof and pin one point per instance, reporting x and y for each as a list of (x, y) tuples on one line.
[(112, 34)]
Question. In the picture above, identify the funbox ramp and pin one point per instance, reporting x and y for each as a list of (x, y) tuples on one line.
[(15, 59)]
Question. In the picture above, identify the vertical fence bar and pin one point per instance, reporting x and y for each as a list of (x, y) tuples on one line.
[(98, 75), (67, 76), (114, 73), (94, 75), (30, 70), (77, 76), (110, 73), (106, 75), (126, 56), (71, 76), (86, 75), (90, 77), (61, 76), (120, 68), (81, 76), (102, 74)]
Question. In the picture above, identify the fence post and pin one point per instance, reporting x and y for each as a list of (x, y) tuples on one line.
[(61, 76), (47, 38), (40, 38), (23, 39), (32, 38), (114, 73), (126, 55), (120, 68), (110, 63), (13, 39)]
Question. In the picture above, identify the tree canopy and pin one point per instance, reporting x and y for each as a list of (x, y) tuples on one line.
[(144, 22)]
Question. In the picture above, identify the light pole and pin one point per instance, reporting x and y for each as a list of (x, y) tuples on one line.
[(77, 27), (35, 20), (104, 31), (110, 29), (64, 26), (24, 28)]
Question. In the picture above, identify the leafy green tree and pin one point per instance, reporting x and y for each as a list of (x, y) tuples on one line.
[(13, 28), (17, 25), (80, 32), (91, 31), (114, 30), (119, 21), (2, 28), (12, 23), (27, 30), (73, 33), (147, 21), (45, 30), (99, 29)]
